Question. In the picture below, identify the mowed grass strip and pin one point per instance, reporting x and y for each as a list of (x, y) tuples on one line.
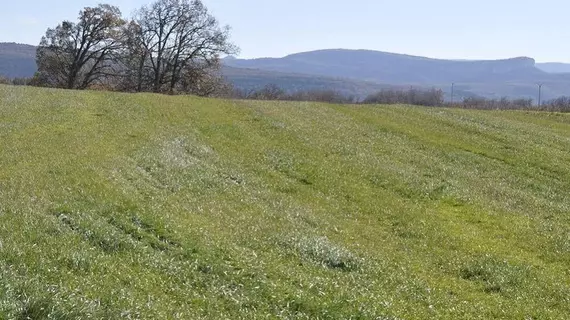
[(145, 206)]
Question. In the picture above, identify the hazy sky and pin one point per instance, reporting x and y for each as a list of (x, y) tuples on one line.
[(469, 29)]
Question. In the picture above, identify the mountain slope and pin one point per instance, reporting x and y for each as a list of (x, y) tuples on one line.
[(251, 79), (17, 60), (554, 67), (162, 207), (395, 68), (515, 78)]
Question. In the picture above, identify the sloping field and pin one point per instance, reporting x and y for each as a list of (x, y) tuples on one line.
[(157, 207)]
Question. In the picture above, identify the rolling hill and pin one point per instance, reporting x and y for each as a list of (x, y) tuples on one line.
[(395, 68), (176, 207), (17, 60)]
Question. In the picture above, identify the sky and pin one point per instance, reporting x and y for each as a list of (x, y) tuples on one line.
[(460, 29)]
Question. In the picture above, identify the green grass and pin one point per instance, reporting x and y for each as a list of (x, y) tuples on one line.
[(158, 207)]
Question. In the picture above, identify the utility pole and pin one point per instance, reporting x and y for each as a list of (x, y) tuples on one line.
[(539, 94), (452, 92)]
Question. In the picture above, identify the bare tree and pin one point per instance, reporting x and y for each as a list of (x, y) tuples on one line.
[(268, 92), (133, 57), (75, 55), (205, 79), (174, 37), (503, 103)]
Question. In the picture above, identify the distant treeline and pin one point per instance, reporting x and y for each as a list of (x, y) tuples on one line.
[(274, 92), (431, 97), (413, 96), (16, 81)]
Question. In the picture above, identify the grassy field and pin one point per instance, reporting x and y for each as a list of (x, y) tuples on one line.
[(157, 207)]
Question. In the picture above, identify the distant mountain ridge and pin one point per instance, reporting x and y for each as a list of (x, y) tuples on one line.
[(394, 68), (361, 72), (554, 67), (17, 60), (514, 77)]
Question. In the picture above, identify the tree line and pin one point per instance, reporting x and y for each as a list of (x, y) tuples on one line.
[(431, 97), (419, 97), (166, 47)]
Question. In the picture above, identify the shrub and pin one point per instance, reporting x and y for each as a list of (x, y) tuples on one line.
[(560, 104), (274, 92), (432, 97), (21, 81), (503, 103)]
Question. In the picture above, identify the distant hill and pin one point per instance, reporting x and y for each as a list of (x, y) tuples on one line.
[(395, 68), (554, 67), (17, 60), (250, 79), (516, 77), (360, 72)]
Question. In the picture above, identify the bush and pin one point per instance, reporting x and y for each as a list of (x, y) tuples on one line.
[(274, 92), (497, 104), (431, 98), (560, 104), (21, 81), (269, 92)]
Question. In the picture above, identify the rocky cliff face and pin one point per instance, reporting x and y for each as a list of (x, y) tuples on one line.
[(514, 64)]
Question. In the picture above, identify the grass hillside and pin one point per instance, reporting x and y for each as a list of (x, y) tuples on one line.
[(158, 207)]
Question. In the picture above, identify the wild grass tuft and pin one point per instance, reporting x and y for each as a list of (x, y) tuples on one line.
[(322, 251)]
